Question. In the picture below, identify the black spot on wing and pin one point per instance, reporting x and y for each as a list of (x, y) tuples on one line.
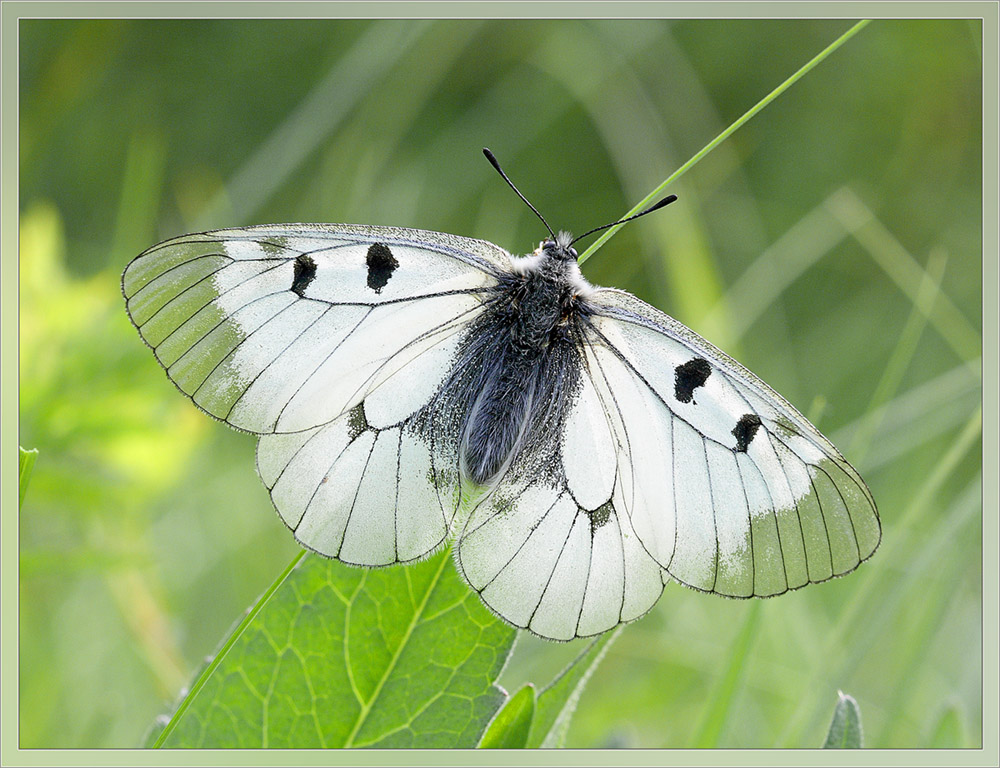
[(305, 272), (357, 422), (381, 265), (688, 377), (745, 430), (599, 517)]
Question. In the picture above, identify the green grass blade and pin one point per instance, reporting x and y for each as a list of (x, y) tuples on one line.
[(950, 731), (714, 718), (754, 292), (26, 462), (658, 191), (852, 622), (902, 355), (556, 703), (511, 726), (319, 114), (890, 255), (845, 730)]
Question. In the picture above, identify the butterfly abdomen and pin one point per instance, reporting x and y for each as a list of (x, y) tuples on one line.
[(524, 370)]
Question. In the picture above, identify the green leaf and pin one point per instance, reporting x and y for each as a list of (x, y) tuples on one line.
[(26, 462), (845, 730), (509, 729), (555, 704), (335, 656)]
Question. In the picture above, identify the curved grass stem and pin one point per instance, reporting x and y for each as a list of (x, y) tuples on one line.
[(658, 191)]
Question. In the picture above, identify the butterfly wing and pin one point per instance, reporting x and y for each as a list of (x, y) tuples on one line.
[(332, 343), (548, 549), (364, 494), (283, 328), (728, 487)]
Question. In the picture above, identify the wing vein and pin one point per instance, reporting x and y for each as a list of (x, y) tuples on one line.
[(715, 524), (229, 355), (274, 358)]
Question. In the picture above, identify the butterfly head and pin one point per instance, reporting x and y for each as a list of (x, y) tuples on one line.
[(559, 248)]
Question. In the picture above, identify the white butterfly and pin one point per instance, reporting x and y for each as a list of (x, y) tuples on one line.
[(581, 446)]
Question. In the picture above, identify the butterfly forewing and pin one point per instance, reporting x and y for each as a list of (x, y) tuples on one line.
[(728, 487), (283, 328)]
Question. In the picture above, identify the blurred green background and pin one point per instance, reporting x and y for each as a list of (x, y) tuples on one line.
[(833, 245)]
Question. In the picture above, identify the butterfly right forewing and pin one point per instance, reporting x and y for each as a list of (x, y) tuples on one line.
[(282, 328)]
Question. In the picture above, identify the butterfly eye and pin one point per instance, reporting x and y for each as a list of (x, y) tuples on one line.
[(573, 253), (548, 245)]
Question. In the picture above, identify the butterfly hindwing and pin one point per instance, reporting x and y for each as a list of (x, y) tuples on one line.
[(365, 495), (548, 549), (285, 328)]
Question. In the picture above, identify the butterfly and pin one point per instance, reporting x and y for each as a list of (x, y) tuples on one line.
[(581, 447)]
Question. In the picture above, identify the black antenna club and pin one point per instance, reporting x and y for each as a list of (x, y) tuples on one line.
[(655, 207), (493, 161)]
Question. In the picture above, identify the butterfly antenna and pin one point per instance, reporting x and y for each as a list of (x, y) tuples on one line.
[(495, 164), (665, 201)]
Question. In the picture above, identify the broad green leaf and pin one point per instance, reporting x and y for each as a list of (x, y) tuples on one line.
[(334, 656), (555, 704), (509, 729), (845, 730), (26, 462)]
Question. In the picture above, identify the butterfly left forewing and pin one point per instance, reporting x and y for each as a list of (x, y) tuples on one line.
[(727, 486)]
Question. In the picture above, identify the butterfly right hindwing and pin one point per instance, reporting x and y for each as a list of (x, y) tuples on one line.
[(548, 549)]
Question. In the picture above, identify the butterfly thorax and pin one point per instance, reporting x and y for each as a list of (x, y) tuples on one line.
[(530, 362)]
